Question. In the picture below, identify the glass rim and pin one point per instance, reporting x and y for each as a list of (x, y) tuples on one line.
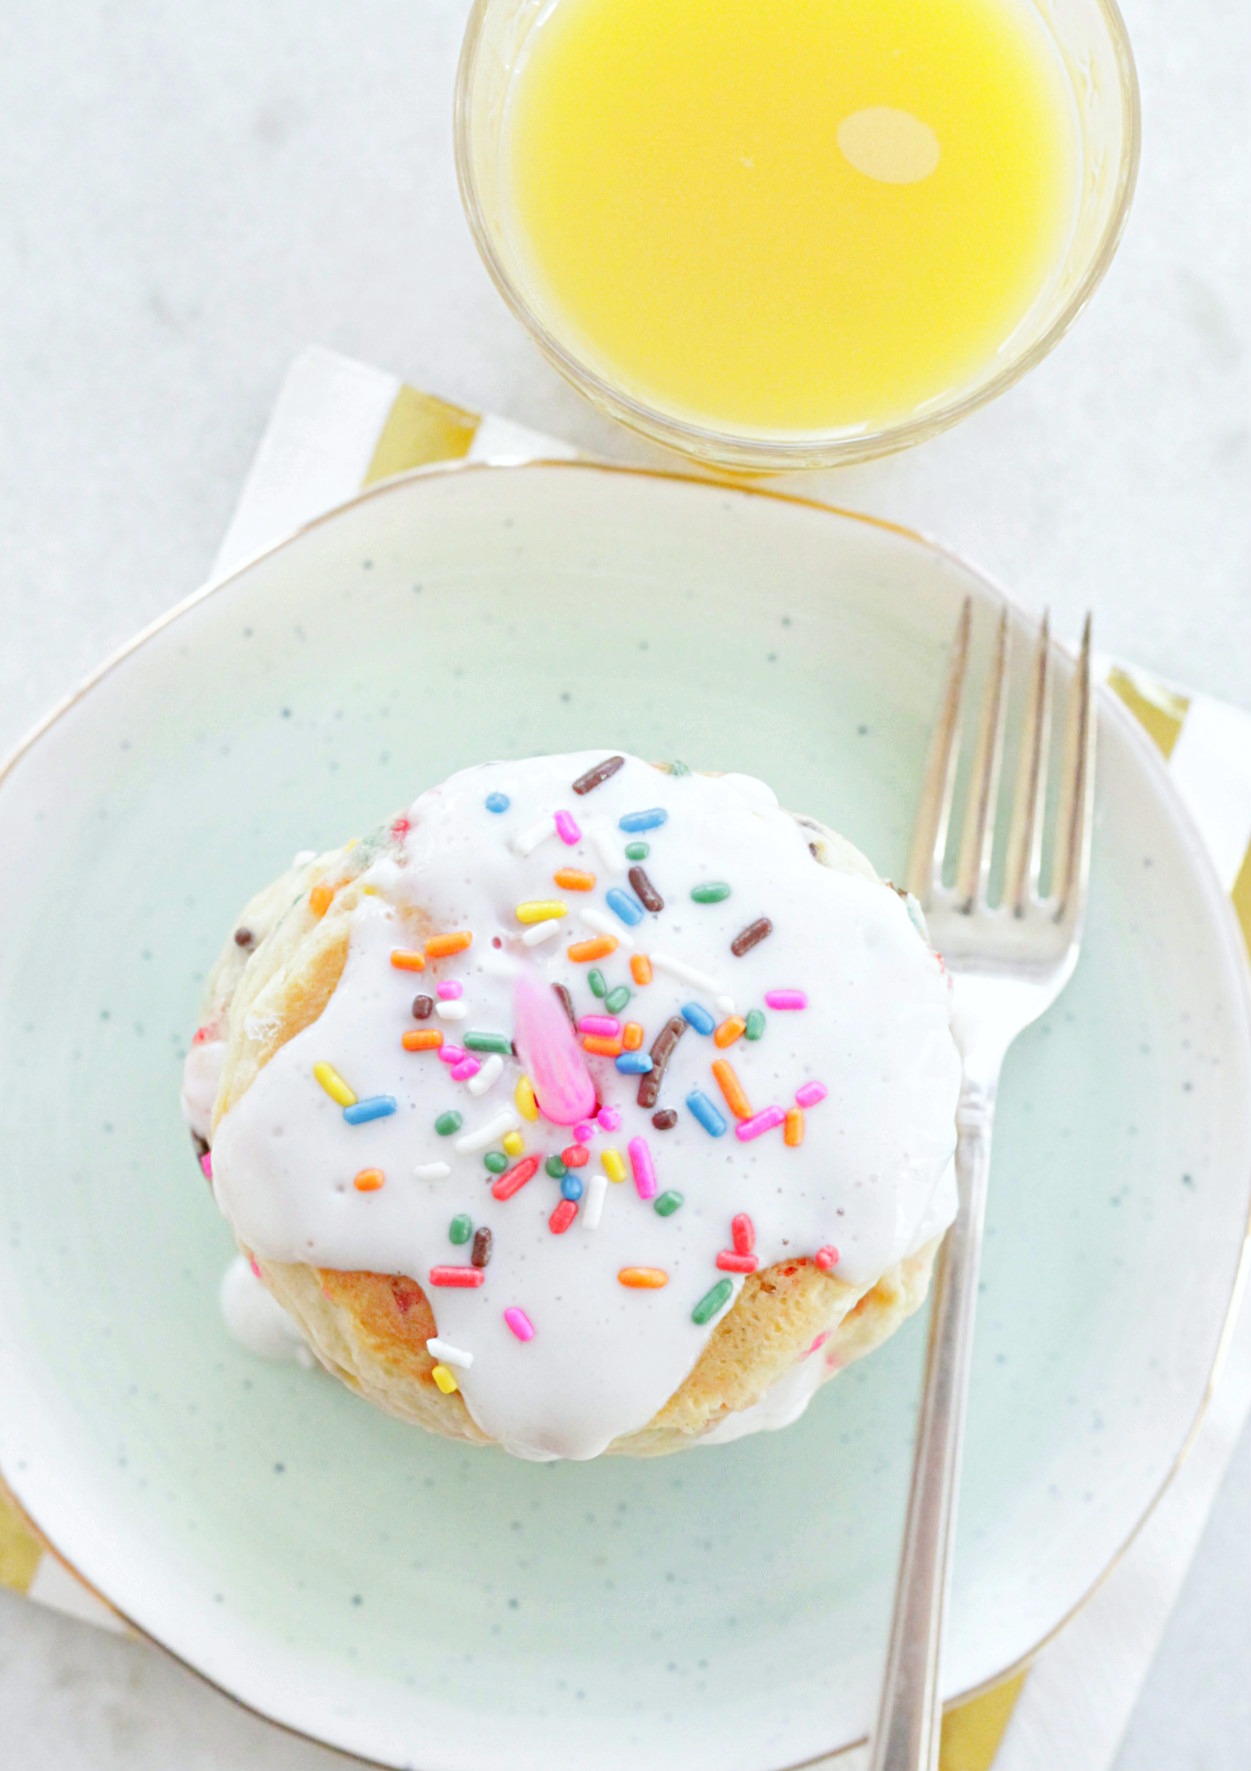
[(761, 451)]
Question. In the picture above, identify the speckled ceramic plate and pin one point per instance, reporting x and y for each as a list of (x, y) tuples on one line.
[(446, 1608)]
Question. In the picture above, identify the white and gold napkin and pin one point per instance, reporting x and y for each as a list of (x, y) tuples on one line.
[(339, 425)]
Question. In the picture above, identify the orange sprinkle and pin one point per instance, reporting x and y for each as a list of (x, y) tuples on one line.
[(404, 959), (443, 946), (730, 1029), (320, 898), (732, 1089), (794, 1131), (632, 1036), (601, 1045), (422, 1039), (574, 879), (643, 1278), (369, 1180), (640, 968), (583, 952)]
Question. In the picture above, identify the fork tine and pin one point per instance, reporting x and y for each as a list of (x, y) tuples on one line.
[(1025, 831), (929, 836), (1074, 805), (978, 834)]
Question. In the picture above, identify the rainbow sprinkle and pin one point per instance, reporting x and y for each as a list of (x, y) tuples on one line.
[(520, 1323), (334, 1085), (712, 1120), (712, 1302)]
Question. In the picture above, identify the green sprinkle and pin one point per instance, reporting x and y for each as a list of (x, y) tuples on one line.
[(679, 768), (712, 1301), (555, 1167), (616, 999), (712, 893), (668, 1203), (487, 1042), (595, 978), (496, 1161), (755, 1023), (447, 1123), (460, 1229), (638, 851)]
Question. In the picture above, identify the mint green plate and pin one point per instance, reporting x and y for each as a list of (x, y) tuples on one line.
[(450, 1609)]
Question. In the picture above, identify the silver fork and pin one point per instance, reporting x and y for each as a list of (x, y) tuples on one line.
[(1008, 963)]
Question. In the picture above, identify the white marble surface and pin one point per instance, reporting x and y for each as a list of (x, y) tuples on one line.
[(194, 193)]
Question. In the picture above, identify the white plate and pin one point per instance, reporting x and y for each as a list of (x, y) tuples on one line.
[(427, 1605)]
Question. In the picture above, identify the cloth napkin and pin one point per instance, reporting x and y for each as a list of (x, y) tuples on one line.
[(339, 425)]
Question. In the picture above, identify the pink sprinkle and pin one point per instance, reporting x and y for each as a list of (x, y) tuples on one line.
[(206, 1163), (810, 1094), (202, 1035), (400, 827), (452, 1054), (643, 1167), (449, 991), (729, 1262), (468, 1066), (761, 1122), (584, 1131), (609, 1118), (606, 1025), (520, 1323), (817, 1344), (253, 1265), (826, 1257), (786, 998), (567, 828)]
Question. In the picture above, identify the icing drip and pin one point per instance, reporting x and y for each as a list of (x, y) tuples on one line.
[(612, 1255)]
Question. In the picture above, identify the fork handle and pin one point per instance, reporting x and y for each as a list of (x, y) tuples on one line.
[(909, 1721)]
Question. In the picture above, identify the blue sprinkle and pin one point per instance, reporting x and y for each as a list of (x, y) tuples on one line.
[(497, 802), (626, 905), (376, 1107), (634, 1063), (571, 1187), (649, 820), (697, 1016), (707, 1115)]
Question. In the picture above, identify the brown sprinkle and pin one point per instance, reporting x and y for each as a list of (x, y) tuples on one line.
[(244, 937), (751, 936), (566, 1002), (665, 1120), (649, 897), (661, 1052), (599, 774), (480, 1253), (423, 1007)]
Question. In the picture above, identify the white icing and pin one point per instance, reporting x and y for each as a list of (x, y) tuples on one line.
[(201, 1075), (871, 1176), (258, 1321)]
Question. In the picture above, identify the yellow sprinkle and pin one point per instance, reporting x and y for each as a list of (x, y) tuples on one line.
[(523, 1094), (446, 1382), (513, 1143), (614, 1165), (350, 844), (334, 1084), (369, 891), (541, 910)]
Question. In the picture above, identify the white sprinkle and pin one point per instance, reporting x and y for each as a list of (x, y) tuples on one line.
[(607, 848), (677, 968), (725, 1005), (450, 1355), (524, 842), (454, 1010), (432, 1171), (593, 1204), (470, 1141), (541, 931), (607, 925), (302, 857), (487, 1076)]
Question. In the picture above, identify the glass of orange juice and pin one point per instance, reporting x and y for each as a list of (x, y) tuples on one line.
[(791, 233)]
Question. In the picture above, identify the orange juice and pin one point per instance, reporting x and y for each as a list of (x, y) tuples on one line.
[(788, 216)]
